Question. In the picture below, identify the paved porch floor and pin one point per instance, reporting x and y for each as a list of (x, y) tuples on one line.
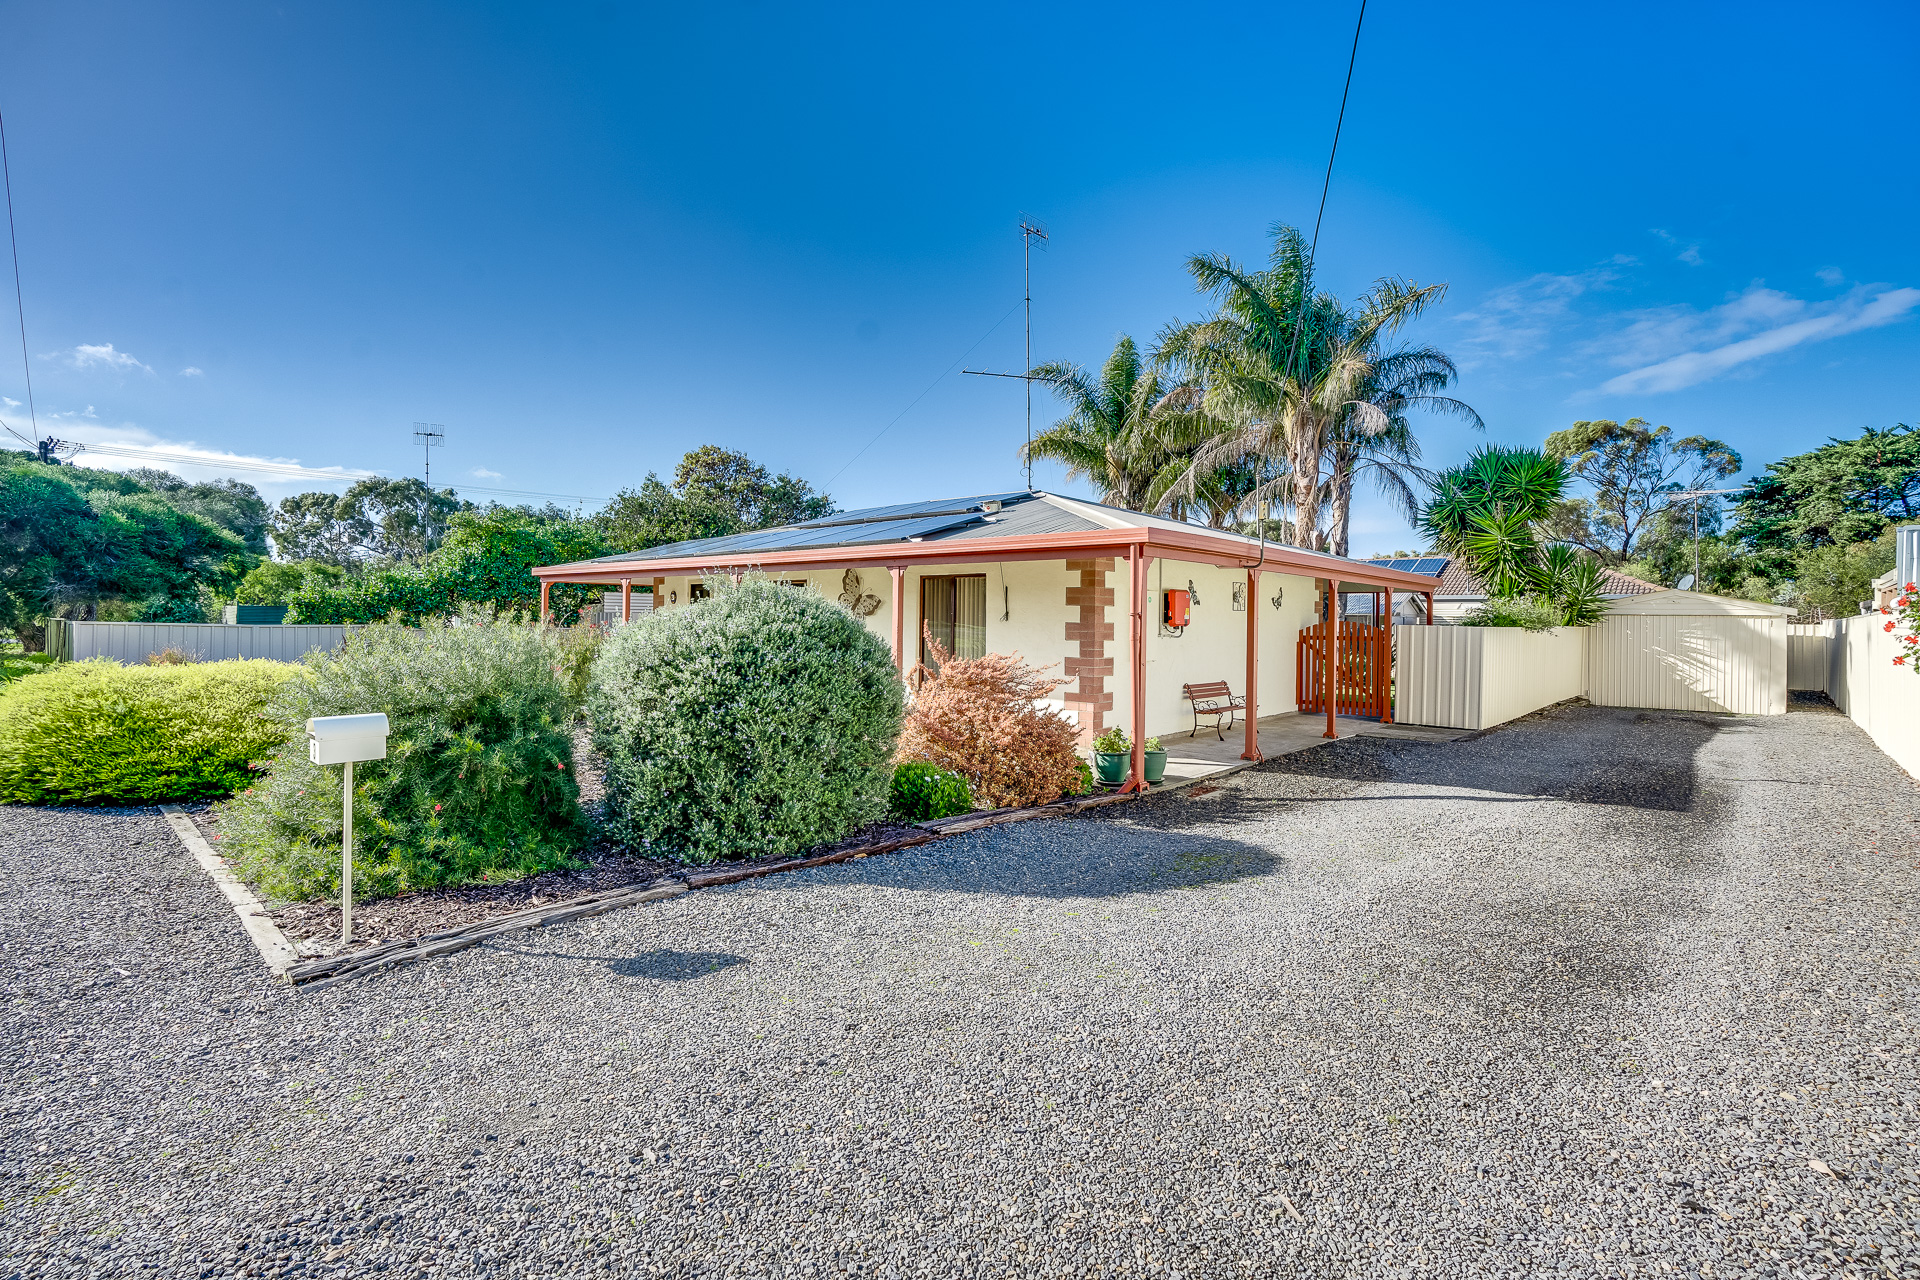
[(1194, 756)]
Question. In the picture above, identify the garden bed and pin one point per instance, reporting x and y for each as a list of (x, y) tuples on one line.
[(314, 927)]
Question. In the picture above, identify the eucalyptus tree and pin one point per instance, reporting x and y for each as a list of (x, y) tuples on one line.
[(1284, 367)]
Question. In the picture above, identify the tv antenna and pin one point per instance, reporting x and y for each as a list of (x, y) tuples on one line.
[(49, 449), (431, 436), (1031, 229)]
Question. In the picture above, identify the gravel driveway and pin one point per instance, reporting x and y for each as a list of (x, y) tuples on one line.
[(1600, 993)]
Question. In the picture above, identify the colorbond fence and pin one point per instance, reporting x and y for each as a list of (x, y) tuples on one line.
[(1853, 659), (1478, 677), (1689, 662), (131, 642)]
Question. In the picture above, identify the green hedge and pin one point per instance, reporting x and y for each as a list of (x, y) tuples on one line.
[(760, 721), (99, 733), (478, 781)]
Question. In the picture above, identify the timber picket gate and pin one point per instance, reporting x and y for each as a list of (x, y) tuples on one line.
[(1364, 685)]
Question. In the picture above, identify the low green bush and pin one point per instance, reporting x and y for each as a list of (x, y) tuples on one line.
[(922, 792), (1514, 611), (14, 664), (99, 733), (759, 721), (477, 784)]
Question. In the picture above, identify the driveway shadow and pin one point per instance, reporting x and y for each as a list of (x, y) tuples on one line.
[(1061, 858), (1589, 755), (674, 966)]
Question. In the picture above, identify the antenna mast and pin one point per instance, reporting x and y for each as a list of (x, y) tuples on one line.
[(431, 436), (1031, 229)]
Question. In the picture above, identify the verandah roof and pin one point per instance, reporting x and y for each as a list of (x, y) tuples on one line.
[(998, 527)]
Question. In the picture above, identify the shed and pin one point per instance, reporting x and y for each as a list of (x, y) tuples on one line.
[(1688, 651)]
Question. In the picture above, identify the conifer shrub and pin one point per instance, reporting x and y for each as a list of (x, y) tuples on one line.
[(981, 718), (478, 781), (759, 721), (96, 732), (923, 792)]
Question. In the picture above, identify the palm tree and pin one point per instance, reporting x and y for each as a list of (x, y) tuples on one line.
[(1105, 437), (1490, 511), (1409, 378), (1284, 367)]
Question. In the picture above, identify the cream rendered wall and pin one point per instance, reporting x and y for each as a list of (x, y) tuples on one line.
[(1214, 646)]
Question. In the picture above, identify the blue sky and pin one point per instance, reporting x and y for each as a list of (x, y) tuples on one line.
[(589, 237)]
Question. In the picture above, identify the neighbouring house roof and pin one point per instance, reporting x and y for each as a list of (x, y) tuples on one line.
[(1458, 583), (1029, 525), (1695, 604)]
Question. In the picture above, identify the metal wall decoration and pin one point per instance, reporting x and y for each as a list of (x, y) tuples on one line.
[(860, 606), (1239, 597), (1193, 596), (1279, 594)]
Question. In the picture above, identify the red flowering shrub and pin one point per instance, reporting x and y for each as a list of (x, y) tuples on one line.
[(981, 718), (1905, 623)]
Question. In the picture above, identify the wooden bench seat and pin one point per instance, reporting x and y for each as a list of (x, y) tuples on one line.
[(1216, 700)]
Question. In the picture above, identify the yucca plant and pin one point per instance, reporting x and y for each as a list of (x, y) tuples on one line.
[(1488, 513)]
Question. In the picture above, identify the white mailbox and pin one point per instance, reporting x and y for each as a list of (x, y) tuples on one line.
[(344, 739)]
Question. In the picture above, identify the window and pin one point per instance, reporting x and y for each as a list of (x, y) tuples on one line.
[(954, 608), (697, 591)]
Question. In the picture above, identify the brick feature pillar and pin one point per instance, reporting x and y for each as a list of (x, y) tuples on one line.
[(1089, 664)]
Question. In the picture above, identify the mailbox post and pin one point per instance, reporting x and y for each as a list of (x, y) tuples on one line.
[(343, 740)]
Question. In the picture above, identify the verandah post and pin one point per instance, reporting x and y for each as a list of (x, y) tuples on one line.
[(899, 575), (1137, 615), (626, 599), (1252, 751), (545, 587), (1333, 652)]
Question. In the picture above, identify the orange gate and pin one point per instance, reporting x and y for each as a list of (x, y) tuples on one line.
[(1365, 678)]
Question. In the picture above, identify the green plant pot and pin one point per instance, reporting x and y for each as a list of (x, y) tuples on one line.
[(1111, 766), (1156, 765)]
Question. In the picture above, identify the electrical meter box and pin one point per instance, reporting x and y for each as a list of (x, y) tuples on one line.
[(342, 739), (1179, 608)]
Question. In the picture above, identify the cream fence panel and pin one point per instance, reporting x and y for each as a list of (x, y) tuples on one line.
[(131, 642), (1682, 662), (1810, 654), (1876, 695), (1478, 677)]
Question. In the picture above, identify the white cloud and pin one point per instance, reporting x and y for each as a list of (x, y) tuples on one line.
[(1689, 254), (101, 356), (193, 371), (10, 402), (1783, 322), (481, 473), (187, 459), (1517, 320), (1830, 275)]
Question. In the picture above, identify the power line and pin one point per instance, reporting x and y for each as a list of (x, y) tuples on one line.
[(19, 301)]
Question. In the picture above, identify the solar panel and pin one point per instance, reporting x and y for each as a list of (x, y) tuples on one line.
[(905, 510), (1429, 566)]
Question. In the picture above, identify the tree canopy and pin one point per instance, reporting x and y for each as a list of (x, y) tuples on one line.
[(399, 521), (715, 492), (1635, 470), (1840, 494)]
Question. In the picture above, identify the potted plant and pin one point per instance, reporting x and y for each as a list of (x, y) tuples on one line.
[(1112, 753), (1156, 760)]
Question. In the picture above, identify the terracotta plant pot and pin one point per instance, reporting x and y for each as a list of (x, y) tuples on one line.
[(1111, 766)]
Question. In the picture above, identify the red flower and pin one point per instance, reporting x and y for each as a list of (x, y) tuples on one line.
[(1911, 587), (558, 765), (1900, 661), (1888, 627), (436, 808), (1913, 639)]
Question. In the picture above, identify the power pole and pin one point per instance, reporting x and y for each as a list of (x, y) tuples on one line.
[(1696, 495), (1031, 229), (431, 436)]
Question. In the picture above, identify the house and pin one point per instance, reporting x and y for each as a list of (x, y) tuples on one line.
[(1459, 592), (1127, 608)]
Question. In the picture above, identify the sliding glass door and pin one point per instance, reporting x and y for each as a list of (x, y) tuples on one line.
[(954, 609)]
